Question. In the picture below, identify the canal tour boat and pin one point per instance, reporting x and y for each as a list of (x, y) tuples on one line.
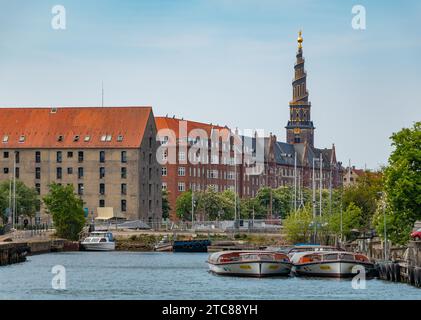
[(99, 241), (296, 252), (250, 263), (339, 264)]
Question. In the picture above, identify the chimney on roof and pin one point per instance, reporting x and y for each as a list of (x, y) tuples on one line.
[(173, 116)]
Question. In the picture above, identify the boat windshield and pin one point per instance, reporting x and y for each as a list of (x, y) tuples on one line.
[(347, 256), (330, 256)]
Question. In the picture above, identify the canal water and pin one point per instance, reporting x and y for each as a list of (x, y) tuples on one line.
[(134, 275)]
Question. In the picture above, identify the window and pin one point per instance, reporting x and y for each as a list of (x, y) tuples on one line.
[(59, 157), (181, 156), (120, 138), (17, 173), (181, 186), (69, 170), (164, 171), (150, 142), (123, 156), (75, 138), (80, 156), (87, 138), (108, 138), (37, 173), (17, 156), (103, 138), (101, 172), (6, 154), (164, 186), (22, 139), (102, 156), (59, 173), (37, 156), (123, 173), (181, 171), (80, 189), (123, 205), (80, 173), (5, 139), (123, 189), (60, 138), (38, 188), (5, 170), (69, 154), (102, 203), (101, 188)]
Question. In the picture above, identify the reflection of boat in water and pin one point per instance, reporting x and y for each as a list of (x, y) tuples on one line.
[(331, 264), (99, 241), (250, 263), (191, 246), (163, 245)]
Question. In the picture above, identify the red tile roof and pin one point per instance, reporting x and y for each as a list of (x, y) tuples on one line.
[(41, 127), (174, 125)]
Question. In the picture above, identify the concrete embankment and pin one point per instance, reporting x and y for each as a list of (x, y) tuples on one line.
[(15, 252)]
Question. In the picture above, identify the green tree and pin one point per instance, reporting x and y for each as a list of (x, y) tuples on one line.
[(27, 200), (166, 208), (298, 225), (66, 209), (183, 205), (352, 218), (227, 199), (402, 183), (210, 204)]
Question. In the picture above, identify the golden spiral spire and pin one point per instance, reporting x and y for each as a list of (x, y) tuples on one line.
[(300, 40)]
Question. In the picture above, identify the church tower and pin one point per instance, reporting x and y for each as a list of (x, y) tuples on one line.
[(300, 128)]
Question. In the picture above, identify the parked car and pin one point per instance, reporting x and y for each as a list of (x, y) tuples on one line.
[(416, 235)]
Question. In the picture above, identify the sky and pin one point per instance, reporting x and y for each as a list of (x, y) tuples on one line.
[(226, 62)]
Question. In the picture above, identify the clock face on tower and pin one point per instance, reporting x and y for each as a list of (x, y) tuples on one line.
[(297, 131)]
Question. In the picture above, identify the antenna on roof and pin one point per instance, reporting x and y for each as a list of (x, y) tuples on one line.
[(102, 94)]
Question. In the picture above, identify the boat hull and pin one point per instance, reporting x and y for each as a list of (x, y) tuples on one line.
[(335, 269), (100, 246), (252, 269)]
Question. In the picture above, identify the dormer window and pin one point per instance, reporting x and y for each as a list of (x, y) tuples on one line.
[(60, 138), (103, 138), (5, 139), (75, 138), (108, 138), (21, 139), (87, 138), (120, 138)]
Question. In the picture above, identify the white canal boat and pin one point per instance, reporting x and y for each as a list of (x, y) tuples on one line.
[(99, 241), (338, 264), (250, 263)]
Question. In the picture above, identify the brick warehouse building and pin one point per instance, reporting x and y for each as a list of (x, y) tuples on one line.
[(284, 164), (108, 154)]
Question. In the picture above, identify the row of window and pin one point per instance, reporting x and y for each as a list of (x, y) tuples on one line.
[(59, 172), (76, 138), (59, 156), (211, 174)]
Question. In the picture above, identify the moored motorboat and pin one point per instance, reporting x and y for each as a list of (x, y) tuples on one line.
[(250, 263), (337, 264), (99, 241), (296, 252)]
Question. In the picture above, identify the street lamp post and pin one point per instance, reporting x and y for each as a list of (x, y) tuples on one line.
[(384, 225)]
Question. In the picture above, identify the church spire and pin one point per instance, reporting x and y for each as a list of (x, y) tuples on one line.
[(300, 128)]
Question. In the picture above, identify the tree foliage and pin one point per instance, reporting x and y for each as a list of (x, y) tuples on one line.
[(27, 200), (66, 209), (166, 208), (402, 183)]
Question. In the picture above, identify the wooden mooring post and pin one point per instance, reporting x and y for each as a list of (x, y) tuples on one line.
[(404, 265)]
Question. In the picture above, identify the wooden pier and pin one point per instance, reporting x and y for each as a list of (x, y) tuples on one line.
[(404, 265)]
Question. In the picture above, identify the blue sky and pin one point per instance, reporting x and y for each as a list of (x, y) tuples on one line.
[(224, 61)]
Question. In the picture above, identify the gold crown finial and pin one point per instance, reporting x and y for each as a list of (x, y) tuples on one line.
[(300, 39)]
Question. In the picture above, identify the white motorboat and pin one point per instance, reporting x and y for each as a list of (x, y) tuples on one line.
[(250, 263), (99, 241), (298, 251), (337, 264)]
